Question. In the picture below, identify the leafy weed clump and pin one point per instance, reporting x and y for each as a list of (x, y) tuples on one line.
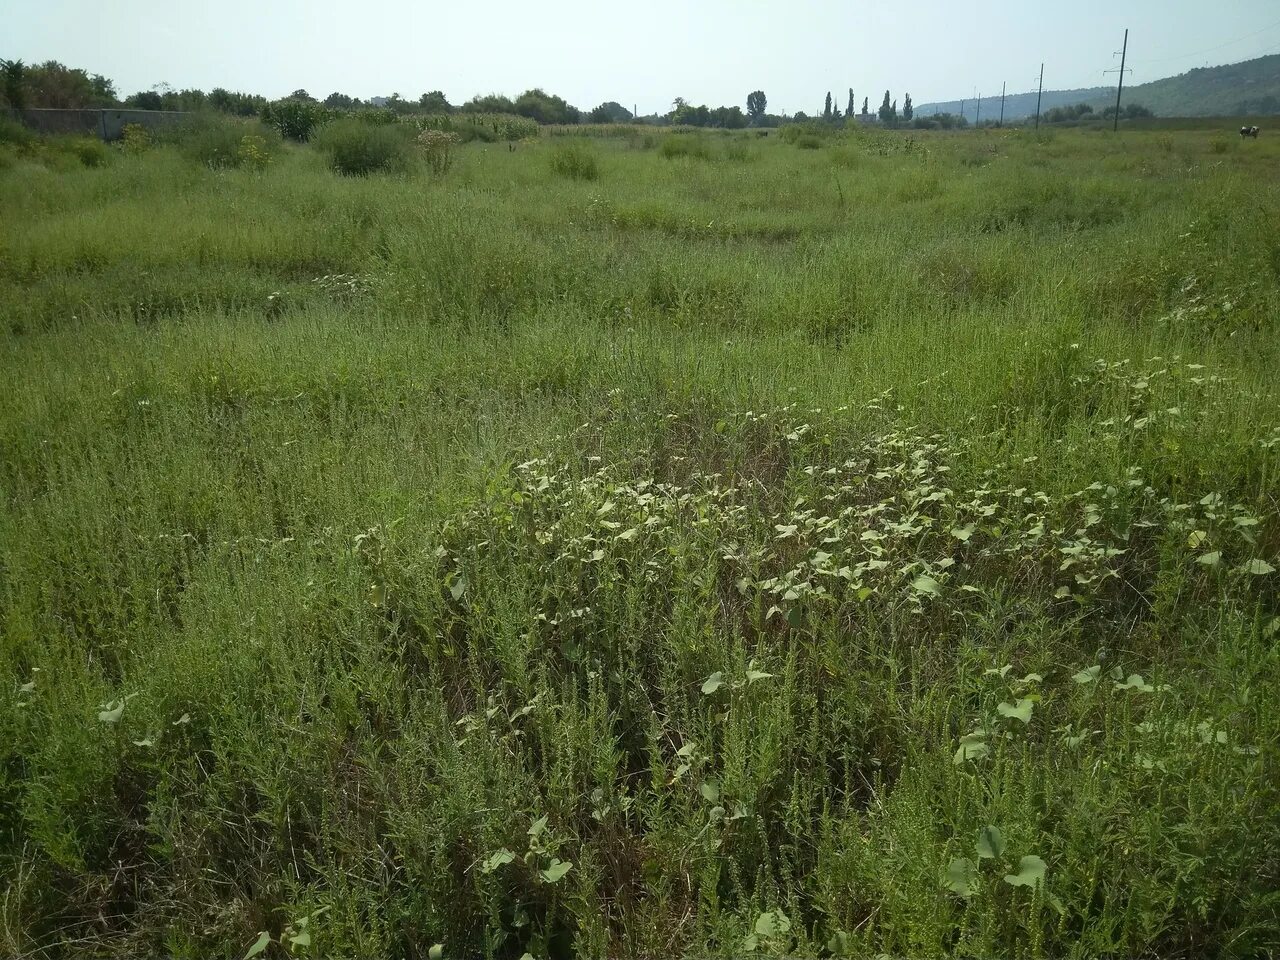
[(576, 161), (356, 149)]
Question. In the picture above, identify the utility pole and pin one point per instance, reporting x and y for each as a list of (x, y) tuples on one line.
[(977, 117), (1039, 94), (1002, 88), (961, 109), (1124, 51)]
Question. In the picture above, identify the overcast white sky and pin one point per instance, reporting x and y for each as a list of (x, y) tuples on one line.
[(707, 51)]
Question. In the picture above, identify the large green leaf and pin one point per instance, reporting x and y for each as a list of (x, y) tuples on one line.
[(772, 923), (1030, 872), (499, 859), (990, 843), (556, 870), (1017, 711), (960, 876), (259, 945)]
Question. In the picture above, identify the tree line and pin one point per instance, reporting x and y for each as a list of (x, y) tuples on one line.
[(54, 85)]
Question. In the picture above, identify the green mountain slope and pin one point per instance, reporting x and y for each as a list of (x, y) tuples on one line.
[(1251, 87)]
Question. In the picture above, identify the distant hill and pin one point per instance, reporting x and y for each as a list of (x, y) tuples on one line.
[(1016, 105), (1251, 87)]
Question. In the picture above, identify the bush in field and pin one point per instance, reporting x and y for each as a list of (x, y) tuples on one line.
[(794, 133), (254, 152), (437, 147), (686, 145), (296, 119), (220, 143), (575, 161), (486, 127), (134, 138), (357, 149), (89, 151), (14, 133)]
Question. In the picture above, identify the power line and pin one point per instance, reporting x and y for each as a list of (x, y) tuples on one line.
[(1226, 43)]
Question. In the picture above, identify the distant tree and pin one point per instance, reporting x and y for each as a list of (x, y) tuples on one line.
[(865, 111), (145, 100), (800, 116), (849, 110), (238, 104), (190, 99), (728, 118), (887, 111), (13, 75), (756, 104), (1130, 111), (907, 110), (893, 113), (302, 95), (826, 110), (1067, 114), (489, 103), (434, 102), (340, 101), (610, 112), (399, 105), (537, 104), (51, 84)]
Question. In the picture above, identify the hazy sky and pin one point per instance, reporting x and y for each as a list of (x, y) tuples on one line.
[(707, 51)]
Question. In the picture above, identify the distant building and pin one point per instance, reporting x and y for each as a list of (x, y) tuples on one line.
[(378, 101)]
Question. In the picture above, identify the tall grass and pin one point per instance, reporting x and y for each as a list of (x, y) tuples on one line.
[(856, 551), (355, 148)]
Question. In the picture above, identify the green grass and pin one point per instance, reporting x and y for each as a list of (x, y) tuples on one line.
[(749, 527)]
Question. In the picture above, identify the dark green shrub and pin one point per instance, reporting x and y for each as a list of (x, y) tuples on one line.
[(219, 142), (575, 161), (357, 149), (296, 119), (13, 132), (89, 151)]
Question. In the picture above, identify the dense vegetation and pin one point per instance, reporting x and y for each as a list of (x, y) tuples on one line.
[(651, 545)]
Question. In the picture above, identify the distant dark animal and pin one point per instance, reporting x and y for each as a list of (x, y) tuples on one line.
[(1249, 132)]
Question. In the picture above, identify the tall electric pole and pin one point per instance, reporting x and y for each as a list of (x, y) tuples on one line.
[(1039, 95), (1002, 88), (1124, 52), (977, 117)]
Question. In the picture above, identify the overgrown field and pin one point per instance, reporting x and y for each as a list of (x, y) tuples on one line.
[(642, 546)]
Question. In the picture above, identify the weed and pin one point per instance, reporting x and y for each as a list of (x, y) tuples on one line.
[(575, 161)]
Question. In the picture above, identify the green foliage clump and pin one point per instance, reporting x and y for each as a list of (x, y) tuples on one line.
[(135, 139), (691, 145), (220, 143), (296, 119), (437, 146), (485, 127), (576, 161), (358, 149), (808, 131), (90, 151), (14, 133)]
